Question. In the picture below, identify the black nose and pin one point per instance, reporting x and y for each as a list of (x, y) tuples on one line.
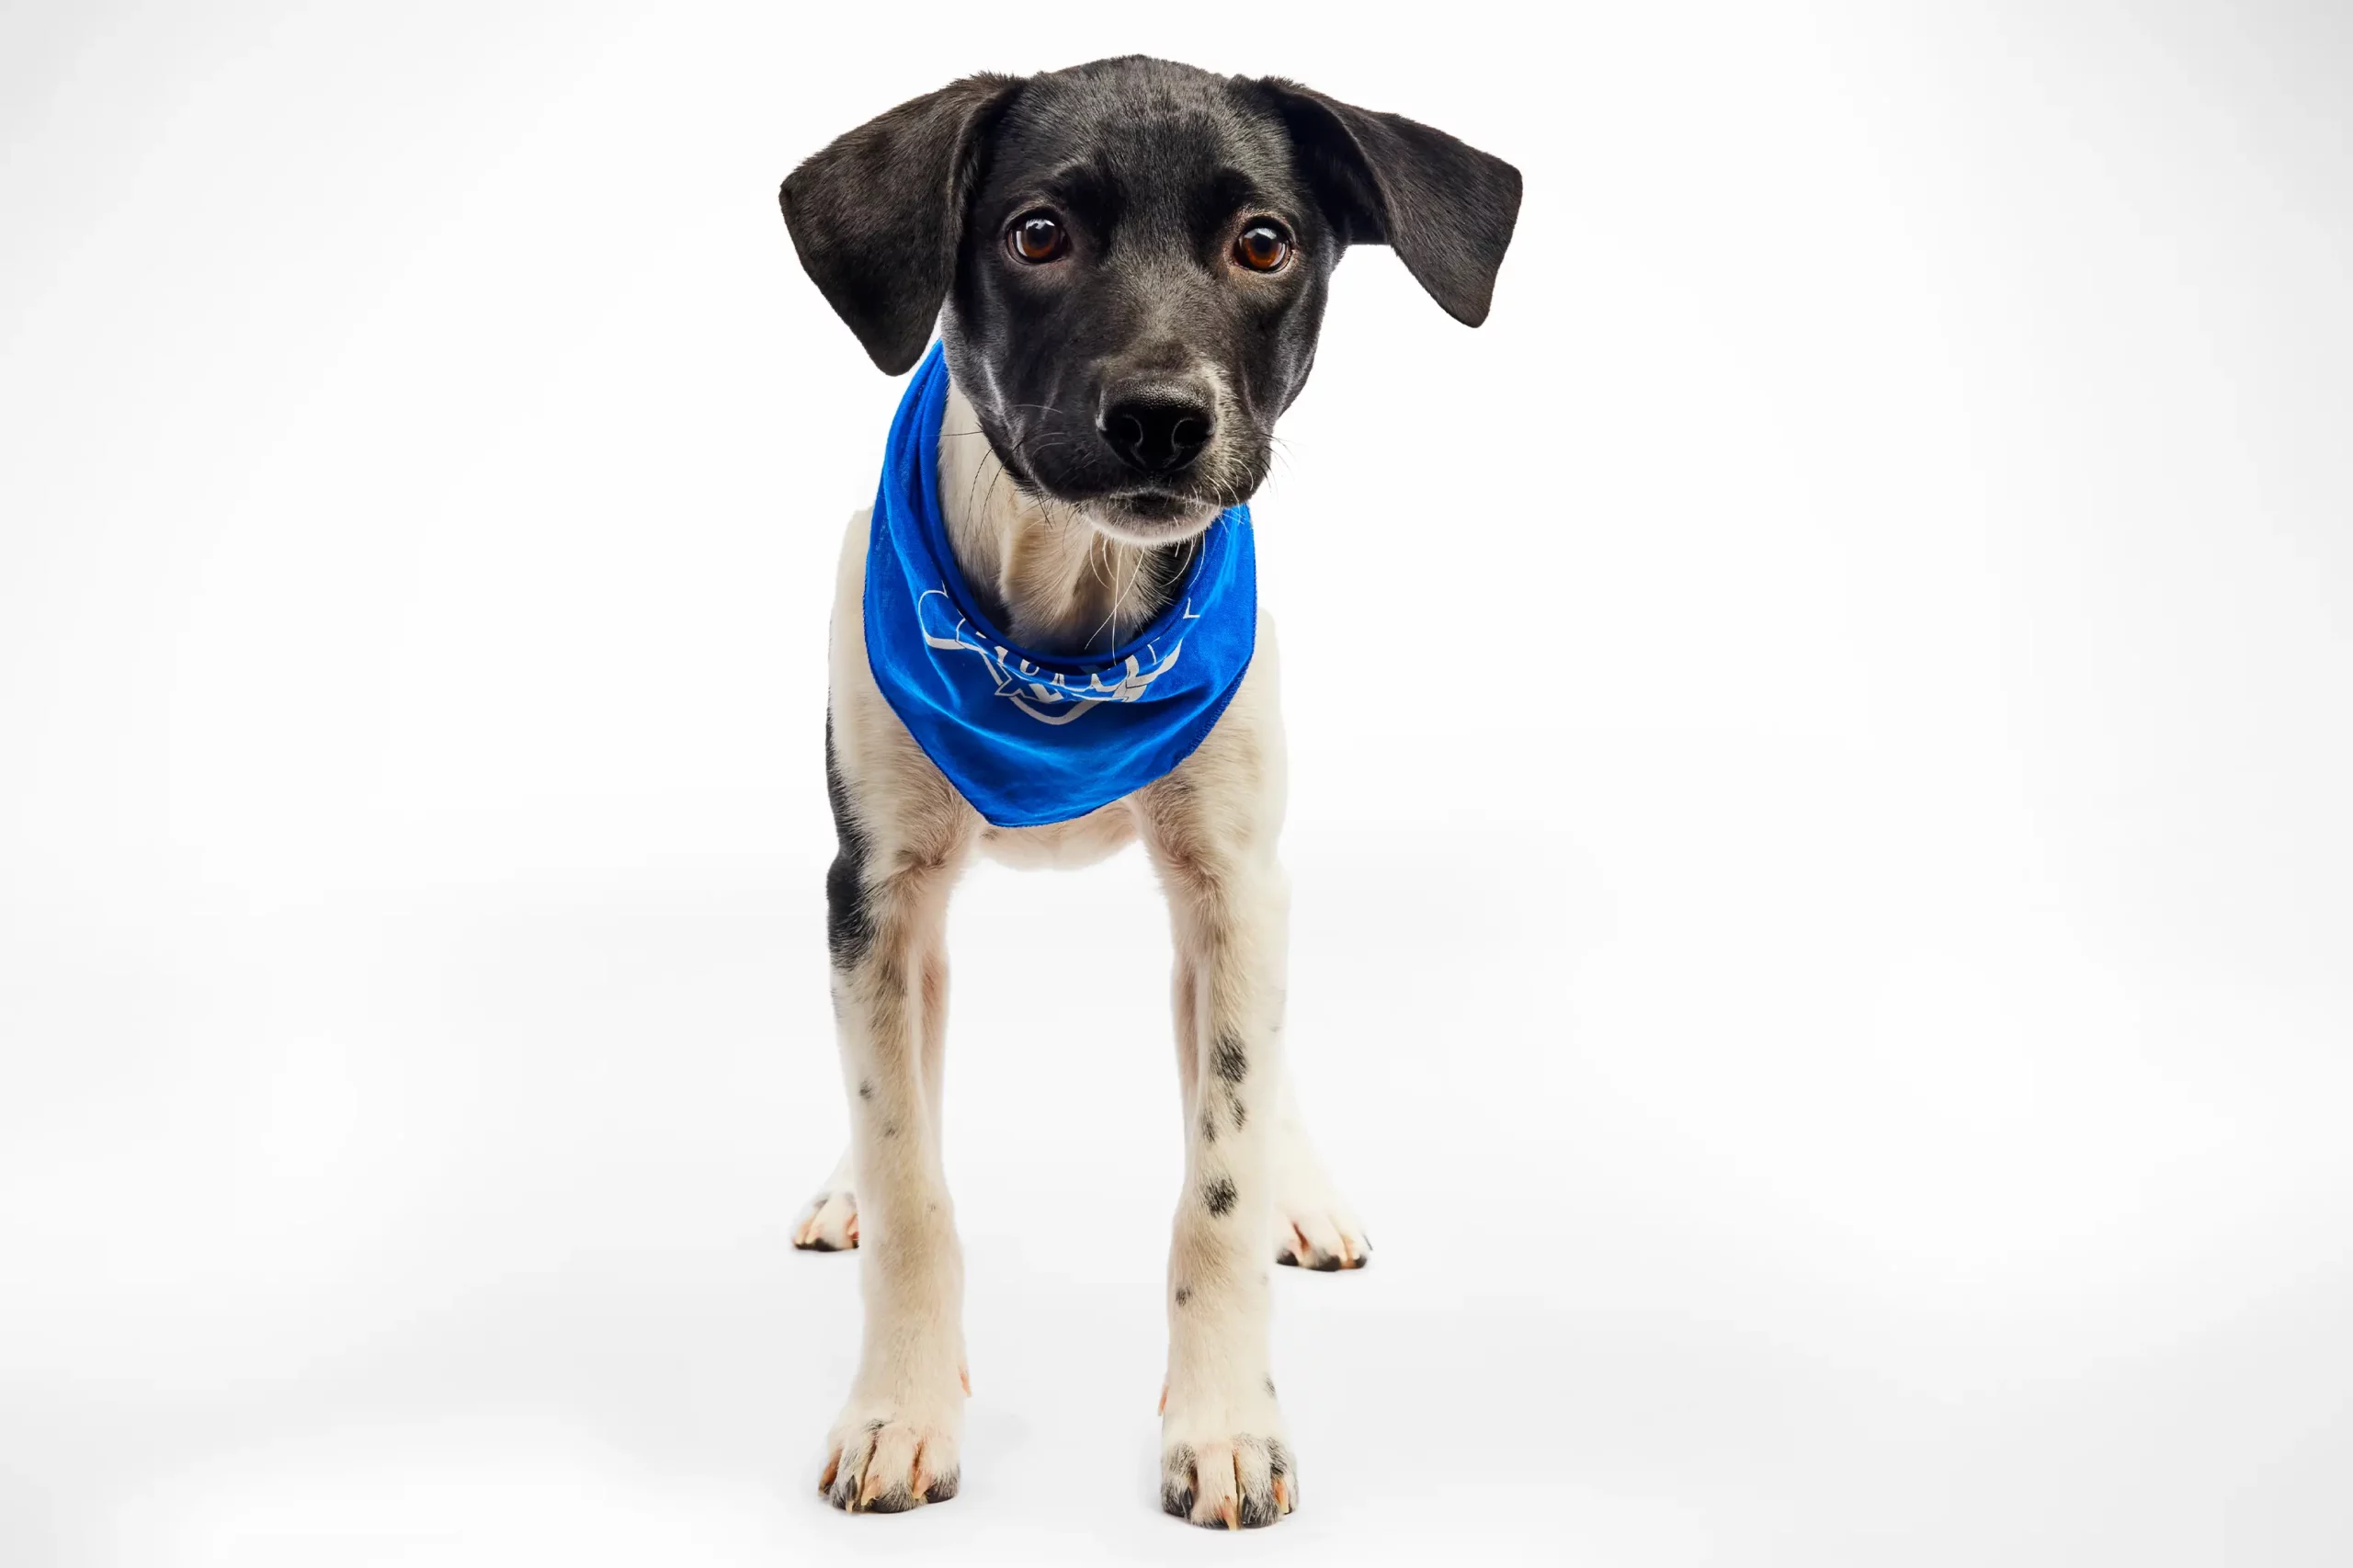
[(1158, 431)]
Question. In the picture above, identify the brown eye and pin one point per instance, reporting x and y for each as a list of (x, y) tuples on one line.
[(1262, 247), (1039, 237)]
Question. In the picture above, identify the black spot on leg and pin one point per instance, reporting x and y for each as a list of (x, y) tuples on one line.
[(1229, 1060), (866, 1088), (890, 1130), (1219, 1196), (1184, 1294), (1240, 1111), (1271, 1393), (848, 931), (1208, 1126), (849, 923)]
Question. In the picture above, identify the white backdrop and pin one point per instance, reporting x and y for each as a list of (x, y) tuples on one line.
[(1820, 743)]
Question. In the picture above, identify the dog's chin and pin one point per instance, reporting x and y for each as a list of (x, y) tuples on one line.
[(1149, 518)]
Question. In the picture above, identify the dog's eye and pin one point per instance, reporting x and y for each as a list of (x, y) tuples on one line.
[(1037, 236), (1262, 247)]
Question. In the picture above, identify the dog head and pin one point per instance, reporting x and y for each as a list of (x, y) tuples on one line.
[(1129, 262)]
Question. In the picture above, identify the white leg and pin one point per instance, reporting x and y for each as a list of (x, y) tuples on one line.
[(896, 1443), (1224, 1455)]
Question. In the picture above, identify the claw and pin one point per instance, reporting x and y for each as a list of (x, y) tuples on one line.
[(833, 1467), (1231, 1512), (1282, 1495)]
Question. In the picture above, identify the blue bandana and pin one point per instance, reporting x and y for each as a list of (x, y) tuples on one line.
[(1030, 739)]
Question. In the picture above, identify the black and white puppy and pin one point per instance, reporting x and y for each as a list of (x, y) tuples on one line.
[(1128, 262)]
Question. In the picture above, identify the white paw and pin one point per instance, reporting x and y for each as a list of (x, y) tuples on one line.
[(830, 1223), (1229, 1470), (887, 1456), (1314, 1227), (1326, 1237)]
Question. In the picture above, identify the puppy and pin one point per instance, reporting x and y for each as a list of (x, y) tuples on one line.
[(1128, 262)]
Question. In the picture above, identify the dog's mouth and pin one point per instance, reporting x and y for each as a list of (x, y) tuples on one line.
[(1150, 516), (1137, 511)]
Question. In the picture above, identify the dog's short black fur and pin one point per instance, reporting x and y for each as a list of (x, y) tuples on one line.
[(1132, 358)]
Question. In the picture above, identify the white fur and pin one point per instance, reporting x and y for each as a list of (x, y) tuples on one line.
[(1209, 828)]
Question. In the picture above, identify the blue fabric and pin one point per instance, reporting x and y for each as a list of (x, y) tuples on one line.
[(1028, 739)]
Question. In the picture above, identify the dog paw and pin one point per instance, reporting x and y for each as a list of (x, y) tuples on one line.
[(830, 1224), (1237, 1481), (1314, 1227), (1325, 1238), (888, 1460)]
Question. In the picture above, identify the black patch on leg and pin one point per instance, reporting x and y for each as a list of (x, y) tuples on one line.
[(849, 923), (1208, 1126), (1219, 1196), (1184, 1294), (1229, 1060), (866, 1088)]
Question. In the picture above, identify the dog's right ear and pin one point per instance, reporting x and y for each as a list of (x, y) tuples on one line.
[(877, 216)]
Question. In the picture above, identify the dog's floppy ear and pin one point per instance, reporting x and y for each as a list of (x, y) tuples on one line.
[(1446, 208), (877, 216)]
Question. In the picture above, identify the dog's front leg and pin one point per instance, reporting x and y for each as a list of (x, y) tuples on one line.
[(1224, 1459), (896, 1441)]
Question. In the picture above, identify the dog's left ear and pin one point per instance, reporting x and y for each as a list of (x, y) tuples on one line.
[(1446, 208), (877, 215)]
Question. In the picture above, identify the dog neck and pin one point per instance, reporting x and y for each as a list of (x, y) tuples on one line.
[(1051, 579)]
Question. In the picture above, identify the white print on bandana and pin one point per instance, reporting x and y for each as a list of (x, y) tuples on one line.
[(1020, 682)]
